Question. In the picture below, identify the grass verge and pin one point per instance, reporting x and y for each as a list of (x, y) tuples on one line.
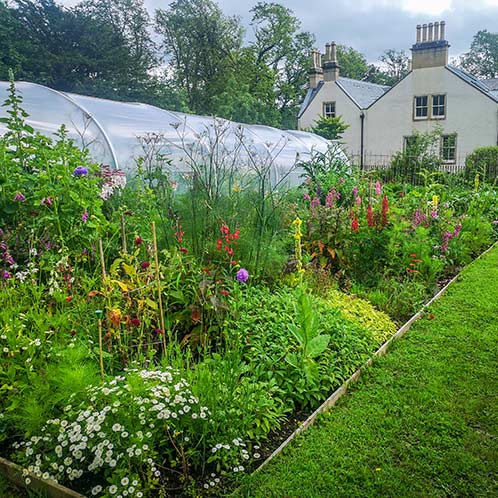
[(423, 421)]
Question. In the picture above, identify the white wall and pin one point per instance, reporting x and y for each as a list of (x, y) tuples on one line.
[(344, 107), (470, 114)]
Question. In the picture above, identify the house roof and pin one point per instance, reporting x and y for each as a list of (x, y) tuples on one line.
[(483, 86), (491, 83), (362, 93)]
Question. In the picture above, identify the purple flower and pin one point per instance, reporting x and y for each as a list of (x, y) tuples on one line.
[(6, 275), (457, 229), (355, 191), (80, 171), (46, 201), (242, 275), (19, 197), (434, 214), (84, 216)]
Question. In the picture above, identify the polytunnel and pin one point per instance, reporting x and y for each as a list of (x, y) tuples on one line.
[(122, 133)]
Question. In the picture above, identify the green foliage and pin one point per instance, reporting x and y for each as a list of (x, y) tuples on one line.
[(482, 58), (330, 128), (483, 162)]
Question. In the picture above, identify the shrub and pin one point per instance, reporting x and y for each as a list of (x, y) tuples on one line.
[(483, 161)]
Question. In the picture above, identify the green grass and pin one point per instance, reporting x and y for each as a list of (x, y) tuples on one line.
[(421, 422)]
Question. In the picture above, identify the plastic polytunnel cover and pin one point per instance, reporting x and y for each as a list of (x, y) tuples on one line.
[(120, 133)]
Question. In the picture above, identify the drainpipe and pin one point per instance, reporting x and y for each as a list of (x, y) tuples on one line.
[(362, 118)]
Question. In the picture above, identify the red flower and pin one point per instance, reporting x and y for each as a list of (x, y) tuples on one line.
[(413, 255), (431, 316), (225, 292), (145, 265), (355, 226), (184, 250), (196, 315), (370, 216), (138, 241), (206, 270), (159, 331), (135, 322), (69, 299), (385, 209), (233, 262)]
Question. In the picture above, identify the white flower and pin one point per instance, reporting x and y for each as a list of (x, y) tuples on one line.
[(96, 489), (125, 481), (113, 489), (116, 427)]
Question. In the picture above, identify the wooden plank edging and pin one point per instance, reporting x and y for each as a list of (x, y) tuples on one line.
[(342, 390), (14, 473)]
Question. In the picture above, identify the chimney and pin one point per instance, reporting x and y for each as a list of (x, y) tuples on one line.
[(410, 67), (315, 72), (330, 64), (430, 49)]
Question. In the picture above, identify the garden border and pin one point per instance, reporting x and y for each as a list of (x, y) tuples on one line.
[(14, 472), (343, 389)]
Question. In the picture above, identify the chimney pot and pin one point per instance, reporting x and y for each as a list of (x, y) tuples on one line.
[(419, 34), (442, 25), (431, 31), (424, 32), (333, 52), (436, 31)]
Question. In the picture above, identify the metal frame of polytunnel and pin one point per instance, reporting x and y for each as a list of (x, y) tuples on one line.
[(116, 131)]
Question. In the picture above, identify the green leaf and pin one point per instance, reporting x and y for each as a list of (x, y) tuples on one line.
[(317, 345)]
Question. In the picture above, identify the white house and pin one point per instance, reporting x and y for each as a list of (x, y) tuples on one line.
[(382, 119)]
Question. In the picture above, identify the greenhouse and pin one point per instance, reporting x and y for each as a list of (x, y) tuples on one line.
[(117, 133)]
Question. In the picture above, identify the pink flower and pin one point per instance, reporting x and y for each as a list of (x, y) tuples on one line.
[(358, 201), (145, 265), (84, 216), (355, 191), (19, 197), (46, 201), (378, 188)]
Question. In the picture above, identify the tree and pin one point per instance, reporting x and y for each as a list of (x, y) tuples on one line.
[(330, 128), (396, 64), (352, 63), (482, 58), (64, 48), (201, 44), (282, 47), (131, 20)]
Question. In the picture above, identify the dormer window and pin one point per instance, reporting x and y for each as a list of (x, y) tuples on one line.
[(438, 106), (329, 109), (421, 110)]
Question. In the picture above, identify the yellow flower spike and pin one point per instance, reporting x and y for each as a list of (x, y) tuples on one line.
[(435, 200)]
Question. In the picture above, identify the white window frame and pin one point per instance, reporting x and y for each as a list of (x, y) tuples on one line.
[(454, 147), (442, 116), (415, 107), (327, 113)]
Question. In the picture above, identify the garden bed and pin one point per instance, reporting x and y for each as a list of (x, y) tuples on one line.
[(160, 340)]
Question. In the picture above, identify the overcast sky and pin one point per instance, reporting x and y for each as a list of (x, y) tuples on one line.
[(372, 26)]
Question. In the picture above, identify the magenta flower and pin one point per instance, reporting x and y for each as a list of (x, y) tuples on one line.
[(19, 197), (46, 201), (378, 188), (84, 216), (242, 275), (358, 201), (355, 191), (6, 275)]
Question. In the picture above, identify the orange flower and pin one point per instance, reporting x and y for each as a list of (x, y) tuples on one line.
[(115, 316)]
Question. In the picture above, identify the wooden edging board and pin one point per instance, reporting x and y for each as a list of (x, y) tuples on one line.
[(14, 473), (341, 391)]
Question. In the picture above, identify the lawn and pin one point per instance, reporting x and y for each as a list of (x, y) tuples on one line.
[(421, 422)]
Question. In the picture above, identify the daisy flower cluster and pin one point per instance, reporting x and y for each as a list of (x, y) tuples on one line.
[(113, 437), (113, 179)]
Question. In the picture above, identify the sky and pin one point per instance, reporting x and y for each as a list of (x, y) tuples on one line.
[(372, 26)]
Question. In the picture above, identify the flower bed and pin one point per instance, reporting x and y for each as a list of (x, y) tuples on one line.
[(151, 339)]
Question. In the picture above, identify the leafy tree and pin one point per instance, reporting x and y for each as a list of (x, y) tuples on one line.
[(201, 44), (12, 47), (282, 47), (482, 58), (330, 128), (396, 63), (353, 64), (131, 19)]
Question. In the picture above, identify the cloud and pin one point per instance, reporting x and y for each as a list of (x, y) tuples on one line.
[(372, 26)]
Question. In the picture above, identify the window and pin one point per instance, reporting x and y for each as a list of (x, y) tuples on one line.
[(438, 106), (329, 109), (409, 143), (421, 107), (448, 148)]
